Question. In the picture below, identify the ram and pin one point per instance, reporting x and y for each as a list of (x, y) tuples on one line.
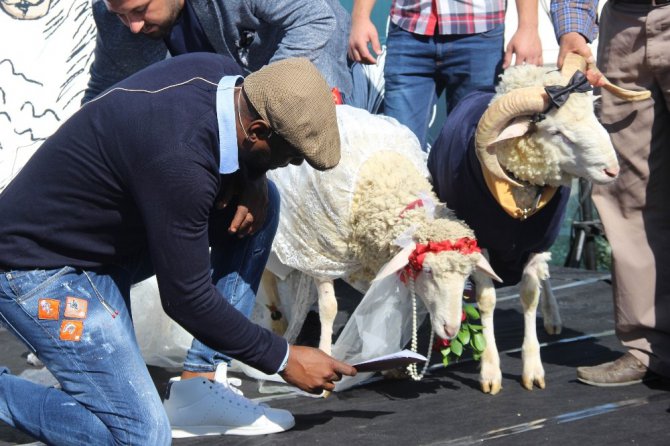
[(504, 163)]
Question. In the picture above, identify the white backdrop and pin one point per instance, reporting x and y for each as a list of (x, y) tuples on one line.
[(44, 65)]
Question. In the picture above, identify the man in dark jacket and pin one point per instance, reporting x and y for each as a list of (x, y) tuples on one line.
[(135, 183)]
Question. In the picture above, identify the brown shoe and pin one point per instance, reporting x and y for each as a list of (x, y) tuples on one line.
[(624, 371)]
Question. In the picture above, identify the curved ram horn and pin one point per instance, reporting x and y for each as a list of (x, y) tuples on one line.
[(573, 62), (519, 102), (628, 95), (623, 93)]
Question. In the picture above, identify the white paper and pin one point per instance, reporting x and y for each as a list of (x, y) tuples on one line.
[(391, 361)]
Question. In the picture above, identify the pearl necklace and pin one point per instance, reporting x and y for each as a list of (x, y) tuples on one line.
[(411, 369)]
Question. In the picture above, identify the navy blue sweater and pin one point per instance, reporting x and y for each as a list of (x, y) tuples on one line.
[(135, 172), (458, 180)]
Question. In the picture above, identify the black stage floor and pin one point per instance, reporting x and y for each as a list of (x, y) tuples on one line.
[(447, 407)]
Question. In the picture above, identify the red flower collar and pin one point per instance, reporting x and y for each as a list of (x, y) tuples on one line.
[(464, 245)]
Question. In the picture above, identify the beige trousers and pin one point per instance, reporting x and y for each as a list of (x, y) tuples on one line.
[(634, 52)]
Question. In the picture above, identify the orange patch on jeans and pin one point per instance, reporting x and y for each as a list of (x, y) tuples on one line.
[(48, 309), (75, 308), (71, 330)]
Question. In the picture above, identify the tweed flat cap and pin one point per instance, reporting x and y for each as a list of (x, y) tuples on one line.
[(293, 97)]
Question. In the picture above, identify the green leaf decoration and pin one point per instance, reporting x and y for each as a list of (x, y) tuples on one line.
[(469, 335), (471, 311), (464, 335), (479, 342), (456, 347)]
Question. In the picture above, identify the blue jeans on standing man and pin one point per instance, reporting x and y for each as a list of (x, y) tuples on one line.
[(79, 324), (419, 68)]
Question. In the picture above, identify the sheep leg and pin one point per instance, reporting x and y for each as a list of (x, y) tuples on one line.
[(490, 376), (550, 313), (301, 303), (271, 290), (535, 270), (327, 313)]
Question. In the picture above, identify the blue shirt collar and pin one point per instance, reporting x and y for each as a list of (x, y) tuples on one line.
[(225, 112)]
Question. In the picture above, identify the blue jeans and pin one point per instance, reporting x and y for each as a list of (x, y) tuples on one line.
[(79, 324), (107, 395), (363, 94), (419, 68)]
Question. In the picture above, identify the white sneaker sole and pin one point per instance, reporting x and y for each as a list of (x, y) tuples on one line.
[(199, 431)]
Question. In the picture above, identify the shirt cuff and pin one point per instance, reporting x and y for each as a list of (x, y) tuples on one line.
[(575, 16), (284, 363)]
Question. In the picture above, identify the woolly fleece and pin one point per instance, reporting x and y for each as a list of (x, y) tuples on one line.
[(382, 194)]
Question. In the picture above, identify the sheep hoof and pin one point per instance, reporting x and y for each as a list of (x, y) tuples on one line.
[(396, 374), (528, 382), (553, 329), (492, 387)]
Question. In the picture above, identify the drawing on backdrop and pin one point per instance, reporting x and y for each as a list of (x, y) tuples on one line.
[(25, 9), (45, 57)]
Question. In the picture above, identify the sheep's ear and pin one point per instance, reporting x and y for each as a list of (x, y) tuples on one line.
[(484, 266), (518, 127), (396, 263)]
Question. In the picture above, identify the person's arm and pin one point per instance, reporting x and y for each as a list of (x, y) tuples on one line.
[(575, 26), (363, 31), (118, 52), (306, 25), (315, 29), (175, 204), (252, 203), (525, 43), (175, 193)]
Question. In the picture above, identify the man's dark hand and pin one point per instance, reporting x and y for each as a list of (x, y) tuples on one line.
[(312, 370), (251, 208)]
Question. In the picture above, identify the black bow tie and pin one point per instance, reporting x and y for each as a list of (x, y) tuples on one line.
[(558, 94)]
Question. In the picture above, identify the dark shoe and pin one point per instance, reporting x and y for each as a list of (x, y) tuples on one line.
[(624, 371)]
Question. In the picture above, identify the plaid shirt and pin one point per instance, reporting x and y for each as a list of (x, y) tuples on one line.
[(575, 16), (429, 17)]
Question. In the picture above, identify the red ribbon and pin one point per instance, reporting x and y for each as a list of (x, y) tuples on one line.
[(413, 205), (464, 245)]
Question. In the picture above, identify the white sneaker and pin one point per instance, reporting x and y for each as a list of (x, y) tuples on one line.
[(198, 406), (221, 376)]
